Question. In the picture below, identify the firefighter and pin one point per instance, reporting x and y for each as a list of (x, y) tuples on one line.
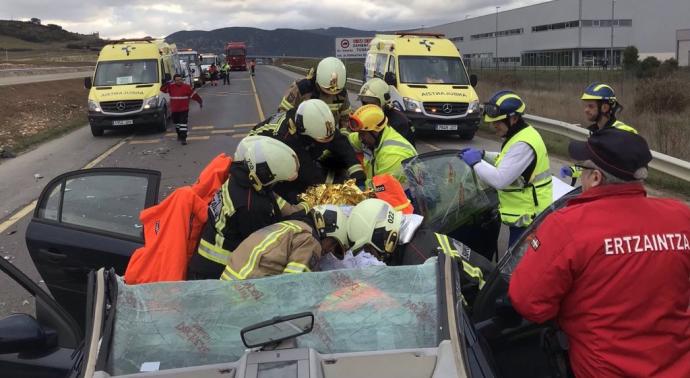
[(291, 246), (180, 94), (377, 92), (383, 148), (375, 227), (520, 172), (612, 267), (322, 150), (245, 203), (327, 84), (601, 108)]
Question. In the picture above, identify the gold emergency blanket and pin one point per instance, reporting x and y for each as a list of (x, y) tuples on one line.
[(335, 194)]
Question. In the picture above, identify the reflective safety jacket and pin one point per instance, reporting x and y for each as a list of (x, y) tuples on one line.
[(236, 211), (612, 268), (523, 200), (399, 121), (173, 227), (281, 126), (388, 156), (388, 189), (285, 247), (426, 243), (180, 94), (306, 89)]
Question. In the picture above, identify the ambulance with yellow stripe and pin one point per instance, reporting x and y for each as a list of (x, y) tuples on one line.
[(428, 81), (124, 90)]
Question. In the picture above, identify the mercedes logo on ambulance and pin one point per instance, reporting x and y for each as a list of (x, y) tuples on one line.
[(447, 108)]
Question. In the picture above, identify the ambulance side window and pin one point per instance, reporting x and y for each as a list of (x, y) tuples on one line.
[(381, 60)]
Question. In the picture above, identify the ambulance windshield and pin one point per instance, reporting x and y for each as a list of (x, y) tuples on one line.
[(126, 72), (432, 70)]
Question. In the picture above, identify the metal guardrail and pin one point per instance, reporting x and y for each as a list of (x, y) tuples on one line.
[(661, 162)]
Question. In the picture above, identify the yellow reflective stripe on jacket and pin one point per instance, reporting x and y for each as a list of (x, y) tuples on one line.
[(285, 104), (404, 205), (280, 202), (521, 202), (622, 126), (227, 211), (229, 275), (468, 268), (282, 228), (213, 252), (295, 267)]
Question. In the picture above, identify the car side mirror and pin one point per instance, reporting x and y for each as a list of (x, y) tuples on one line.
[(22, 333), (87, 83), (390, 79), (473, 80)]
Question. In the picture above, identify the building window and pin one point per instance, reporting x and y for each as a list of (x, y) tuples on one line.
[(502, 33), (482, 36), (606, 23), (457, 39), (556, 26), (548, 58)]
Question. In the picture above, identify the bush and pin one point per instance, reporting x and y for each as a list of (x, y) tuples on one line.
[(630, 57), (648, 67), (668, 67), (661, 95)]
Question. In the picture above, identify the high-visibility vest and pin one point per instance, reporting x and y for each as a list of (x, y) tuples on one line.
[(388, 189), (623, 126), (393, 148), (523, 200)]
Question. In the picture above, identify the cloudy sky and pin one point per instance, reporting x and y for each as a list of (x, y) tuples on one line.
[(133, 18)]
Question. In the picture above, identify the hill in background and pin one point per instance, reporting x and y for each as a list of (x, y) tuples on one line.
[(289, 42)]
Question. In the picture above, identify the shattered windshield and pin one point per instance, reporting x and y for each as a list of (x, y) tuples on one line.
[(125, 72), (446, 191), (180, 324), (432, 70)]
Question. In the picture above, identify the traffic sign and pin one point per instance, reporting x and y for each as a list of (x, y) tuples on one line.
[(352, 47)]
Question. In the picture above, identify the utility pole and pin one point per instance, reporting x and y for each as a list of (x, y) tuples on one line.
[(613, 7), (496, 38)]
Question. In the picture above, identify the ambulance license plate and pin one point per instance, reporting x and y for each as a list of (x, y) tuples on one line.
[(123, 122), (446, 127)]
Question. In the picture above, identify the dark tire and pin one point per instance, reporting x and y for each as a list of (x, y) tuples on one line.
[(162, 126), (96, 130), (466, 135)]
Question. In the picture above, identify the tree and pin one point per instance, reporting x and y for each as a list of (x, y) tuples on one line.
[(648, 67), (630, 57)]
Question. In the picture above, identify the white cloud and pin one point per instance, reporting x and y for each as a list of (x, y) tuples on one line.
[(134, 18)]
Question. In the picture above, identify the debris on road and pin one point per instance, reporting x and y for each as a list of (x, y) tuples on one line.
[(37, 176)]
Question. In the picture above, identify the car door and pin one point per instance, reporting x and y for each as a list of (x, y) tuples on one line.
[(85, 220), (38, 343), (453, 201)]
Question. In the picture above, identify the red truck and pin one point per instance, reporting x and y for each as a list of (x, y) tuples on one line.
[(236, 55)]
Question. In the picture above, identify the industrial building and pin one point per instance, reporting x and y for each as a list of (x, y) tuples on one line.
[(574, 33)]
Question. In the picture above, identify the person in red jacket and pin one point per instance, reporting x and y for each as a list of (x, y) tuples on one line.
[(612, 267), (180, 94)]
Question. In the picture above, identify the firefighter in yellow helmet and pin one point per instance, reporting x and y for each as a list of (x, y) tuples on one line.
[(290, 246), (520, 172), (376, 227), (245, 203), (377, 92), (320, 147), (601, 108), (383, 148), (327, 83)]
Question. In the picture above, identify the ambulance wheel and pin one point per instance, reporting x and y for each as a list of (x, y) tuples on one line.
[(466, 135), (162, 125), (96, 130)]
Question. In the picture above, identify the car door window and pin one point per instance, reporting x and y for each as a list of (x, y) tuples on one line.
[(104, 200), (446, 191), (381, 60)]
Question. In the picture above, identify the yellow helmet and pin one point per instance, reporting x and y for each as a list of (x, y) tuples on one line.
[(374, 222), (331, 75), (368, 118), (375, 89), (331, 221), (269, 161)]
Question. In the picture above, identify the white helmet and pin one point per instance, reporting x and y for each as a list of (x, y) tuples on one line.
[(331, 75), (331, 221), (315, 119), (269, 161), (375, 89), (244, 144), (374, 222)]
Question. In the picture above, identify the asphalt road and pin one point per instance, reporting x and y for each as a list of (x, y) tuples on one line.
[(25, 79), (228, 112)]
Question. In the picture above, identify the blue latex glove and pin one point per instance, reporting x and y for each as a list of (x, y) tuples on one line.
[(566, 172), (472, 156)]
